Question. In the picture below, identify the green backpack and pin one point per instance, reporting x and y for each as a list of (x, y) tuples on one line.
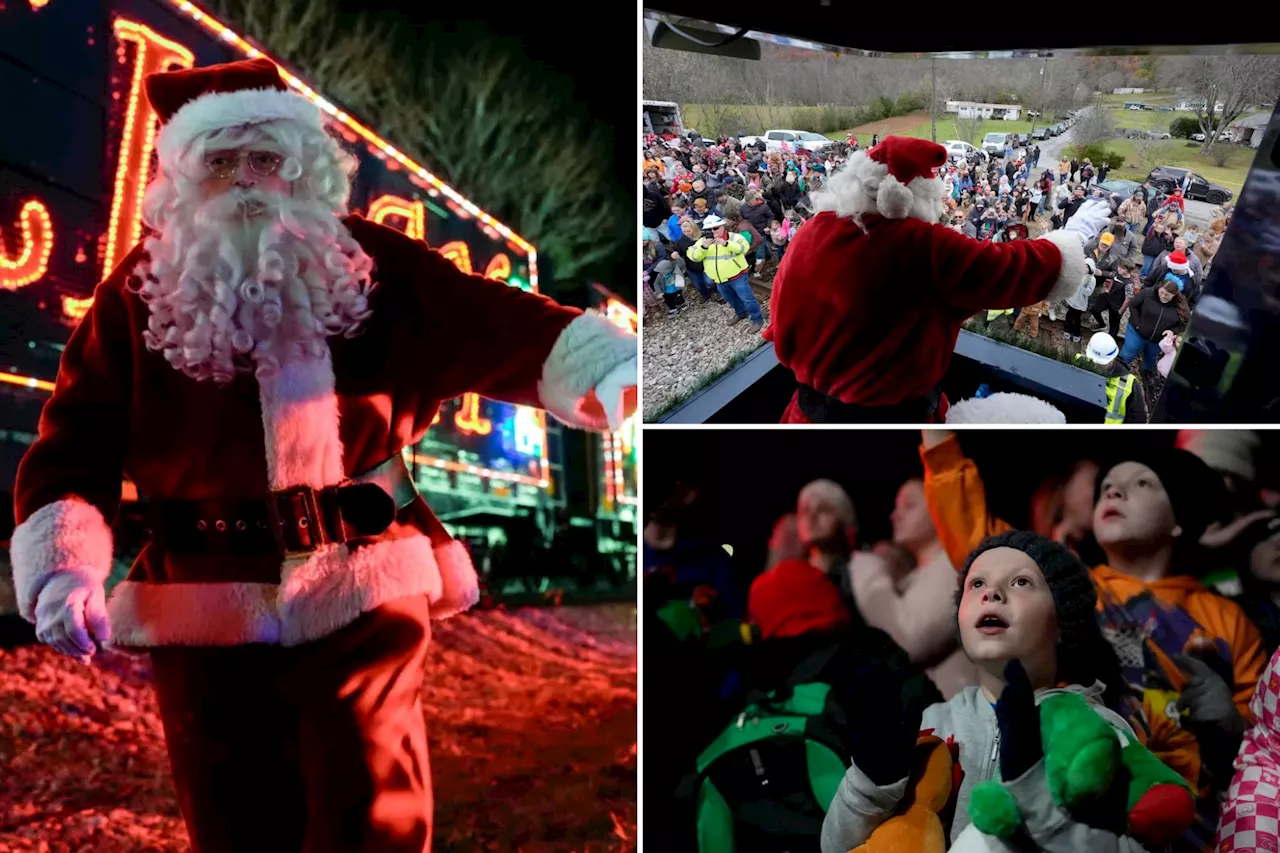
[(765, 783)]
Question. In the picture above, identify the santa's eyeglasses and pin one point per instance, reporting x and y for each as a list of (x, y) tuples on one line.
[(224, 164)]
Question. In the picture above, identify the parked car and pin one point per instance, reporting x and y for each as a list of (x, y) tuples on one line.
[(994, 143), (1165, 109), (1122, 188), (1198, 137), (773, 140), (1040, 133), (958, 150), (1165, 178)]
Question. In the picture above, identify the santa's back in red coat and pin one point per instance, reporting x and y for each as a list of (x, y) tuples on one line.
[(870, 297)]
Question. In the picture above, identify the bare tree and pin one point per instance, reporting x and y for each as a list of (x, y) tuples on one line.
[(1236, 82), (1094, 125), (967, 128)]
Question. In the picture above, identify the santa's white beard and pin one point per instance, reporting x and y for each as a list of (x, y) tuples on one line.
[(246, 281)]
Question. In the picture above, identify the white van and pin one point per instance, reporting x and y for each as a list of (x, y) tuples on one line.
[(994, 143)]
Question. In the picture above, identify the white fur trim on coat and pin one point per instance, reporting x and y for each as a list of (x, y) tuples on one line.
[(319, 596), (588, 349), (1004, 408), (218, 110), (1073, 269), (864, 186), (64, 536), (459, 586), (300, 425)]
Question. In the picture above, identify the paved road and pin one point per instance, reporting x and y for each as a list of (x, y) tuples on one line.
[(1198, 212)]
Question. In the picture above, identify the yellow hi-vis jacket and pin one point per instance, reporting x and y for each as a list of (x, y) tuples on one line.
[(996, 312), (721, 263), (1118, 390)]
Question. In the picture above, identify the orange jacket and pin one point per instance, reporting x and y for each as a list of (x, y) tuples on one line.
[(953, 489)]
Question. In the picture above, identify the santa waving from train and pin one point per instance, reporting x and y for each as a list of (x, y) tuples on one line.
[(871, 295)]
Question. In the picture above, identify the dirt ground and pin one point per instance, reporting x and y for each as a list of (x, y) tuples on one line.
[(897, 125), (531, 716)]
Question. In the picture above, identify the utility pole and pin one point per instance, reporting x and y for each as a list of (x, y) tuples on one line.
[(933, 99)]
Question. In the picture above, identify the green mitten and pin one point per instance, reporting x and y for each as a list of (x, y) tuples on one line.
[(1161, 803), (993, 809), (1081, 751)]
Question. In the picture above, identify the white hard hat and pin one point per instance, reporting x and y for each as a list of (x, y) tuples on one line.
[(1102, 348), (712, 221)]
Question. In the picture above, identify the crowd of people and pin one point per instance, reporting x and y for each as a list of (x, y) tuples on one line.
[(1145, 591), (716, 215)]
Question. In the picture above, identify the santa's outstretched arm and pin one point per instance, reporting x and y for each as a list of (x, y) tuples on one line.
[(485, 337), (973, 275)]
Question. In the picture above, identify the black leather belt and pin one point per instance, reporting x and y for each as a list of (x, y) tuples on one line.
[(290, 521), (821, 408)]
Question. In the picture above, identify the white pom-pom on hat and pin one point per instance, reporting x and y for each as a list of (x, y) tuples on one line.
[(1004, 408)]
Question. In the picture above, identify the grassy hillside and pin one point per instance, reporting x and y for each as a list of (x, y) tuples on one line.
[(1177, 153), (755, 119)]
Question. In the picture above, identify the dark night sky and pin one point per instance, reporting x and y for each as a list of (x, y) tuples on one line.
[(748, 478)]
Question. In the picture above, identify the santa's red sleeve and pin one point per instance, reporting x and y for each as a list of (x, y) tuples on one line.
[(973, 275), (482, 336), (67, 491)]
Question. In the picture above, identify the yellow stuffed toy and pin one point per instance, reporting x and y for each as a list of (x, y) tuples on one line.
[(915, 826)]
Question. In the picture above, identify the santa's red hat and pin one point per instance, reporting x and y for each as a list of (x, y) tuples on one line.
[(906, 159), (1177, 262), (198, 100)]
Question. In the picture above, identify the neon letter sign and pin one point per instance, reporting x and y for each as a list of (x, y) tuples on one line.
[(33, 251), (413, 212), (154, 53)]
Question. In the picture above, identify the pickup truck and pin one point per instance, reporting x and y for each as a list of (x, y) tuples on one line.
[(773, 140)]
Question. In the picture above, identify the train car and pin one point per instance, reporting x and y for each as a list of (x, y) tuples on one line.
[(75, 156)]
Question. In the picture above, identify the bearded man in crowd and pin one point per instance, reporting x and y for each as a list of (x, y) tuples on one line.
[(255, 367)]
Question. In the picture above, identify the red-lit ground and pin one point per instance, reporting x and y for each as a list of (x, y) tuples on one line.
[(531, 714)]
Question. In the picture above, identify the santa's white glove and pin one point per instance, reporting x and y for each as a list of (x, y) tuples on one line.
[(1089, 219), (71, 613), (616, 392)]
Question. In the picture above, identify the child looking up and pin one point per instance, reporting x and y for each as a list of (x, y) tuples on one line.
[(1024, 599)]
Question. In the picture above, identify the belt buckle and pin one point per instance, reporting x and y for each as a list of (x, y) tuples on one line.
[(311, 512)]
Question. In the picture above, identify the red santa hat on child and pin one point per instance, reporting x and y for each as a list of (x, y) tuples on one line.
[(195, 101), (906, 159), (1177, 262)]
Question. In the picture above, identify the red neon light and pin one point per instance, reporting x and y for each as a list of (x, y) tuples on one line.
[(468, 417), (414, 212), (34, 249), (458, 252), (154, 53), (76, 308), (499, 268), (26, 381)]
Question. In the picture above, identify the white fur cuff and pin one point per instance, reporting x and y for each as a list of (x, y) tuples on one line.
[(460, 588), (1071, 274), (66, 535), (587, 351)]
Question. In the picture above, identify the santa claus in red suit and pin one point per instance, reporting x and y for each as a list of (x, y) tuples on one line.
[(255, 366), (870, 297)]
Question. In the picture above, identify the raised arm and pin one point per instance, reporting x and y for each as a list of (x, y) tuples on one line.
[(956, 497)]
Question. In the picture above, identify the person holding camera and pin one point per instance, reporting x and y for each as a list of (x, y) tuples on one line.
[(723, 257)]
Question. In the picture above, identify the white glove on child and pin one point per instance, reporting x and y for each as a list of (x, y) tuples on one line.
[(71, 613), (1090, 219)]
